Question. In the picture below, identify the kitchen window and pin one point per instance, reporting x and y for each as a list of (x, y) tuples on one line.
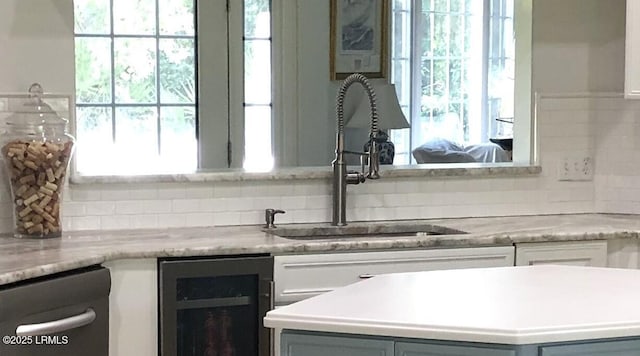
[(147, 70), (453, 63)]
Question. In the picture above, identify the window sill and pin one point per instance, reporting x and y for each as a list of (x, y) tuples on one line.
[(469, 170)]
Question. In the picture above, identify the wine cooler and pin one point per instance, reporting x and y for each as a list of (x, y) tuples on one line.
[(215, 306)]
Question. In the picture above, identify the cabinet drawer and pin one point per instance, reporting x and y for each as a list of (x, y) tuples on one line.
[(301, 276), (323, 345), (426, 349), (579, 253), (612, 348)]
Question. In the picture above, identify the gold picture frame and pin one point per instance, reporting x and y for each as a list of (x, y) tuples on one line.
[(359, 38)]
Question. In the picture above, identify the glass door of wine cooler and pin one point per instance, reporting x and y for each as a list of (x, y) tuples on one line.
[(214, 307)]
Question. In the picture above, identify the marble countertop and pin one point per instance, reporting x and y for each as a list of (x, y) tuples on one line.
[(24, 259), (323, 172), (513, 306)]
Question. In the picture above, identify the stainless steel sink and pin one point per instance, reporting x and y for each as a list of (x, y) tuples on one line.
[(319, 232)]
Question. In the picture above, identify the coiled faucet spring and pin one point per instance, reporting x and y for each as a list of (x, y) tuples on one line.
[(371, 94), (340, 175)]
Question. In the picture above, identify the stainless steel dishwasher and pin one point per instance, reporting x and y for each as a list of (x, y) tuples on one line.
[(64, 314)]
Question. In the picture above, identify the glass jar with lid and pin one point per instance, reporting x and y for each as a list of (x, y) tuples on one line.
[(36, 149)]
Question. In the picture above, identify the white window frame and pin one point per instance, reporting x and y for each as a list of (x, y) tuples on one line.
[(221, 91), (112, 104)]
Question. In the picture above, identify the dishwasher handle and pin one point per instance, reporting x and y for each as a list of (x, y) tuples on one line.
[(57, 326)]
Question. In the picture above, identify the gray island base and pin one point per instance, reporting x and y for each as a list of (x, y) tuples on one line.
[(300, 343), (510, 311)]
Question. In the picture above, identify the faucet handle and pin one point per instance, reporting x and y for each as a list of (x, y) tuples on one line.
[(374, 159), (364, 161), (354, 177), (270, 217)]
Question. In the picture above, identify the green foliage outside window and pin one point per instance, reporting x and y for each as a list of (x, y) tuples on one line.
[(135, 65)]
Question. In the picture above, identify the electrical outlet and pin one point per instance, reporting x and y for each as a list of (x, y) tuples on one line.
[(575, 168)]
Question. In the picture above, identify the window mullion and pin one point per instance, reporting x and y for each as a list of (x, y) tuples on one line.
[(113, 72), (463, 59), (415, 74), (448, 23), (486, 63), (432, 41), (236, 81), (158, 108)]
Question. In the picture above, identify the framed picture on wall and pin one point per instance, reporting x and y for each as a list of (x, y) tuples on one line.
[(359, 38)]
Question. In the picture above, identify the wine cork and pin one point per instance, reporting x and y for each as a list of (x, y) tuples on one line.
[(37, 171)]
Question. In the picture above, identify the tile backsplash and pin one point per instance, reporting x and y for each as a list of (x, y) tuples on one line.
[(618, 156), (604, 128)]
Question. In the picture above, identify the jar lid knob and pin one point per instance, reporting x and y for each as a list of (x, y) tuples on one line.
[(36, 92)]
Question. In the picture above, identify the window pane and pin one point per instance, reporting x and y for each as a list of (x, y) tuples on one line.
[(401, 73), (457, 86), (456, 5), (176, 17), (501, 76), (509, 9), (440, 78), (401, 35), (440, 35), (136, 146), (257, 19), (401, 76), (177, 71), (501, 86), (467, 126), (470, 33), (134, 17), (468, 4), (457, 36), (439, 5), (402, 5), (427, 78), (400, 139), (257, 135), (257, 72), (94, 139), (426, 34), (460, 127), (179, 146), (135, 70), (91, 16), (93, 70)]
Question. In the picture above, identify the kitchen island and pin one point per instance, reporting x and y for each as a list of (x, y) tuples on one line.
[(515, 311)]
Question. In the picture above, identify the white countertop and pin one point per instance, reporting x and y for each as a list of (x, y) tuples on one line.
[(509, 305)]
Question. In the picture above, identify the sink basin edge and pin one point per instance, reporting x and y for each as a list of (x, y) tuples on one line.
[(359, 230)]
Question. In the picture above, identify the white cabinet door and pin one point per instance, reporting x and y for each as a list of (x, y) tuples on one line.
[(623, 253), (632, 57), (302, 276), (133, 304), (579, 253)]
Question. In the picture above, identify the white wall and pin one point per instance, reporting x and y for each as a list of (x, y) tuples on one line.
[(578, 45), (565, 126), (316, 95), (36, 45)]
